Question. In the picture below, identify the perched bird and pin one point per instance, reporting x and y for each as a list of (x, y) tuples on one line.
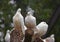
[(42, 28), (18, 20), (18, 31), (7, 37), (1, 36), (49, 39), (30, 20)]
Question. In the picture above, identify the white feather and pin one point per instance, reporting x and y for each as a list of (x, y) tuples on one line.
[(42, 28), (7, 37)]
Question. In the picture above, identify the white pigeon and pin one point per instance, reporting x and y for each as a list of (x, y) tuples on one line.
[(30, 20), (18, 20), (49, 39), (7, 37), (1, 36), (42, 28)]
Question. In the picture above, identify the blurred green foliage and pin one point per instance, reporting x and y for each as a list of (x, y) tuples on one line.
[(43, 11)]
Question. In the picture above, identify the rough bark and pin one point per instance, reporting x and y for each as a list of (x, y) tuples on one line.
[(28, 35), (38, 40), (16, 36)]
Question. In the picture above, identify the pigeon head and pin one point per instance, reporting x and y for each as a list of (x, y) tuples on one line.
[(19, 10), (30, 12), (43, 22), (8, 31), (52, 35)]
